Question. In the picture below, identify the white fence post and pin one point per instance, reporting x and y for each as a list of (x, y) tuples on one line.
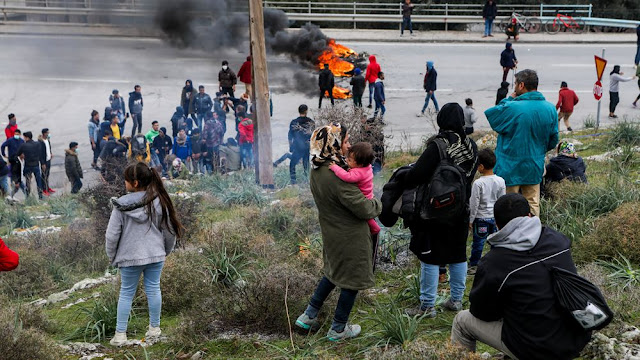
[(541, 9), (355, 12), (446, 15)]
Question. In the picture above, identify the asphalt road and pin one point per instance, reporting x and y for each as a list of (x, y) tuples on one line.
[(55, 82)]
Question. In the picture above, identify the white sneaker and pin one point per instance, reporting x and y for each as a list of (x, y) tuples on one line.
[(153, 332), (119, 339)]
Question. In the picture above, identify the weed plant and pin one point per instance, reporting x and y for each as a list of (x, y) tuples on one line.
[(624, 133), (224, 267), (589, 122), (66, 206), (396, 327), (99, 318), (622, 272)]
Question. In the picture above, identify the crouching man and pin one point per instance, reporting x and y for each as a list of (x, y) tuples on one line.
[(513, 306)]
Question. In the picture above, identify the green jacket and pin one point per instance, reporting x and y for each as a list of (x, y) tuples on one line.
[(72, 165), (343, 212), (151, 134)]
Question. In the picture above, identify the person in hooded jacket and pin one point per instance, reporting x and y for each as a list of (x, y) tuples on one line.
[(227, 79), (182, 146), (94, 140), (136, 104), (527, 127), (430, 86), (615, 77), (514, 308), (371, 75), (379, 96), (358, 84), (187, 98), (142, 232), (437, 243), (326, 82), (178, 121), (72, 167), (245, 75), (245, 130), (567, 99), (566, 165), (10, 151), (508, 60), (162, 146), (502, 92)]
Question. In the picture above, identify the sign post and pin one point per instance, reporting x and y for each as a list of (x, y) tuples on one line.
[(601, 64)]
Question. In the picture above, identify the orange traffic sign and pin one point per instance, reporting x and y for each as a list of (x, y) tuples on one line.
[(601, 64)]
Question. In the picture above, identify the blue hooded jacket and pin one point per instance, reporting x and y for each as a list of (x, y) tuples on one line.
[(527, 128)]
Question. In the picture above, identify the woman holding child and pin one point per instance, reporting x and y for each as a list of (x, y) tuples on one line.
[(343, 212)]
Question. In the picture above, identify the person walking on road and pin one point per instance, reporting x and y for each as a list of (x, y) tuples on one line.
[(72, 167), (45, 144), (135, 108), (508, 61), (358, 83), (430, 85), (615, 77), (566, 101), (379, 96), (227, 80), (371, 76), (245, 76), (300, 130), (94, 140), (407, 10), (527, 127), (489, 13), (326, 82)]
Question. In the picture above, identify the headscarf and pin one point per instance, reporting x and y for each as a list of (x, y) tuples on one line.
[(326, 145), (459, 146), (189, 88), (429, 65), (616, 70), (566, 148), (181, 139)]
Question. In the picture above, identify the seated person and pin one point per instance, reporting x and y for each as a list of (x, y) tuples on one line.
[(230, 156), (566, 165), (513, 307)]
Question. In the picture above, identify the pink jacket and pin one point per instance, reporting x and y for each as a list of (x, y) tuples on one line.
[(362, 177)]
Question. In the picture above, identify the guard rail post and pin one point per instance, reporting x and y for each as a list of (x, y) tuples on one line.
[(590, 9), (309, 4), (446, 14), (355, 12), (402, 22), (541, 9)]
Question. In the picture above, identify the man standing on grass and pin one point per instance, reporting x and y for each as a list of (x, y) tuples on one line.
[(527, 127)]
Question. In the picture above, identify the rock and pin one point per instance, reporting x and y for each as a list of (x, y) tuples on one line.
[(57, 297), (197, 356), (485, 355), (631, 335)]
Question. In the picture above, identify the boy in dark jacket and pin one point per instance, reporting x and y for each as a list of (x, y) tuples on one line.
[(502, 92), (136, 104), (73, 168), (358, 84), (379, 97), (33, 156), (508, 60), (513, 305), (162, 146), (326, 82), (227, 79), (430, 86), (300, 130)]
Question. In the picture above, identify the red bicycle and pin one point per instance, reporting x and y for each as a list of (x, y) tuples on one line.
[(576, 26)]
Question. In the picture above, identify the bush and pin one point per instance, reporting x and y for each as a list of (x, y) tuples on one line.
[(99, 318), (67, 206), (225, 267), (97, 201), (624, 133), (183, 282), (31, 278), (21, 338), (397, 328)]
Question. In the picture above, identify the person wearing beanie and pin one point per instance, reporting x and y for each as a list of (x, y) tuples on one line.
[(72, 167), (11, 128), (508, 61), (502, 92), (245, 76), (358, 84)]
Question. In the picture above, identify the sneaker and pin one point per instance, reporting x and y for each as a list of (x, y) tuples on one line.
[(422, 311), (401, 35), (305, 323), (613, 116), (484, 36), (46, 193), (569, 129), (442, 278), (472, 270), (420, 114), (119, 339), (51, 191), (153, 332), (634, 105), (370, 106), (452, 305), (350, 331)]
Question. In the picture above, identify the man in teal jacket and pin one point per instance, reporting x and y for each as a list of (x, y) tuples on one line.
[(527, 127)]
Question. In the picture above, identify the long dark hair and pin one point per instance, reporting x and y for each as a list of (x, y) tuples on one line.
[(149, 180)]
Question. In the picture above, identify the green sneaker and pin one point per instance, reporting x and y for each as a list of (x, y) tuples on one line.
[(350, 331), (307, 324)]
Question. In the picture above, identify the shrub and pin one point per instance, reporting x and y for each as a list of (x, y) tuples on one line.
[(624, 132), (396, 327), (183, 282), (622, 271), (616, 233), (188, 211), (67, 206), (225, 267), (589, 122), (31, 278), (18, 218), (99, 318), (97, 201)]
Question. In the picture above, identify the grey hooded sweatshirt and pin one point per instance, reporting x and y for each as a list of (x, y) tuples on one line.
[(520, 234), (132, 239)]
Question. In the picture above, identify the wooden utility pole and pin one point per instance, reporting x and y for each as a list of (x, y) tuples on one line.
[(264, 158)]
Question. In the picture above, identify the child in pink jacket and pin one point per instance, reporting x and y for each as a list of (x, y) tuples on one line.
[(360, 173)]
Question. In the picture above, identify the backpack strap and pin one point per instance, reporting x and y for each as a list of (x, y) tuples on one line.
[(442, 148)]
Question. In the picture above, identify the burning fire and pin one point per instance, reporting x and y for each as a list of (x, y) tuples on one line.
[(341, 93), (334, 57)]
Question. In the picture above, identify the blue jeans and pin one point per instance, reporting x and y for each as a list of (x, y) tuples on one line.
[(129, 277), (488, 26), (379, 107), (406, 23), (200, 120), (637, 60), (429, 282), (4, 185), (246, 154), (431, 95), (372, 88), (481, 229), (343, 308)]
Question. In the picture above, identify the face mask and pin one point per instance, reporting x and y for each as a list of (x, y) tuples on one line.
[(17, 137), (76, 151), (225, 67)]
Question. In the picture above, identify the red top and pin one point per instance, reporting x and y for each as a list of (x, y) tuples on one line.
[(372, 70), (245, 128), (8, 258), (10, 130), (567, 100), (244, 74)]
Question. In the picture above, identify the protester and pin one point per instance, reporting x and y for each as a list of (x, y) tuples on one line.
[(10, 150), (326, 82), (10, 130), (489, 13), (527, 127), (202, 106), (197, 151), (139, 150), (179, 170), (187, 98), (150, 136), (484, 194), (502, 92), (567, 99), (94, 140), (343, 212), (407, 10), (162, 146), (245, 75), (230, 158), (113, 156), (508, 61), (213, 136), (371, 75), (470, 117), (72, 167), (430, 86), (514, 307), (227, 79), (300, 130), (105, 125), (358, 84), (245, 130), (118, 107), (178, 121), (31, 153), (136, 104), (281, 159), (4, 178), (379, 96), (45, 144), (437, 242), (615, 77), (182, 146), (566, 165), (9, 259), (142, 231)]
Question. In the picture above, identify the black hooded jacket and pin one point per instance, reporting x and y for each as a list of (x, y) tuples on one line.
[(566, 167), (326, 79), (502, 92)]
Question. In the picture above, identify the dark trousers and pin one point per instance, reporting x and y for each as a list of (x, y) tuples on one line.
[(322, 92), (637, 60), (505, 73), (227, 90), (16, 176), (137, 124), (343, 308), (45, 176), (406, 23), (468, 130), (96, 153), (615, 99), (357, 100), (76, 185), (282, 158), (35, 171), (296, 157), (482, 228)]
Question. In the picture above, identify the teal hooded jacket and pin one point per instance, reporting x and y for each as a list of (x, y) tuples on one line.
[(527, 128)]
